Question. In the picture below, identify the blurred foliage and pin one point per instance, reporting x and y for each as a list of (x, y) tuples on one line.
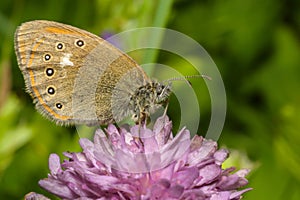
[(255, 44)]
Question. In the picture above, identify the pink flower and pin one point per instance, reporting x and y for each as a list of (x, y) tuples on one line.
[(144, 164)]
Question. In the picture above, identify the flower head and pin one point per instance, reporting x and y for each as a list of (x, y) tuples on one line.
[(145, 164)]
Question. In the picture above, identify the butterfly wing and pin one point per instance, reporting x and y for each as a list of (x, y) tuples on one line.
[(72, 74)]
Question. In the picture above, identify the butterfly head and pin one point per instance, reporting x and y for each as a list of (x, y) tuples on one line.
[(148, 98)]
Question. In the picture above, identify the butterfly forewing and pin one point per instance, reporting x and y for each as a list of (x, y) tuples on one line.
[(75, 77)]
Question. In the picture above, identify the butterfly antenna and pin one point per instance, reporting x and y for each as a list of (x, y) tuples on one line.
[(187, 77), (198, 76)]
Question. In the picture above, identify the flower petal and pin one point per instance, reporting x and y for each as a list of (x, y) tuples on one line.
[(186, 177), (208, 174), (54, 164), (162, 130), (237, 195), (221, 155), (202, 153), (57, 188), (231, 182), (221, 196), (35, 196)]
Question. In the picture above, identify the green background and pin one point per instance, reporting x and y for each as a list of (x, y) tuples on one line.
[(255, 44)]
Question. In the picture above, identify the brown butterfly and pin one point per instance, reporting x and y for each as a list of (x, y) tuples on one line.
[(76, 77)]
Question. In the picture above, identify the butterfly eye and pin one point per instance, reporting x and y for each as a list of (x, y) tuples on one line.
[(51, 90), (160, 89), (59, 46), (79, 43), (59, 106), (49, 72), (47, 57)]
